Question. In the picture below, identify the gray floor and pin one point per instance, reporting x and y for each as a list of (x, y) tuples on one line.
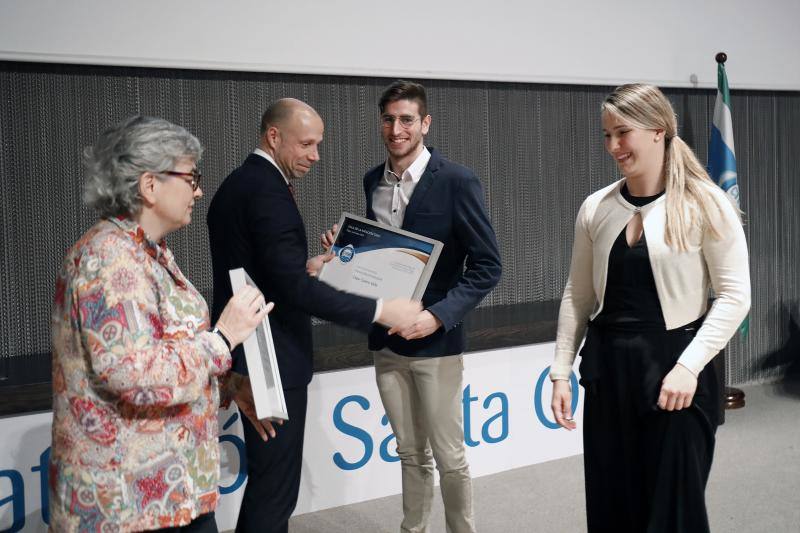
[(754, 485)]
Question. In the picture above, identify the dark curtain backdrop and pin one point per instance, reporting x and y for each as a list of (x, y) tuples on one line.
[(537, 148)]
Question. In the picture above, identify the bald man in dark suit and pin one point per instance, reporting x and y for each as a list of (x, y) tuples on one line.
[(254, 223)]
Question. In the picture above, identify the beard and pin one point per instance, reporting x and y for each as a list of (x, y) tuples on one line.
[(404, 149)]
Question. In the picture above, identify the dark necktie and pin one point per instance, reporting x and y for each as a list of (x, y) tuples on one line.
[(291, 190)]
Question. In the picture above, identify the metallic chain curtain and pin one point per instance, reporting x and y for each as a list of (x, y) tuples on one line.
[(537, 148)]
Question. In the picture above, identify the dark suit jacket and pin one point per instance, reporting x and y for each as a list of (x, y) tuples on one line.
[(447, 205), (254, 223)]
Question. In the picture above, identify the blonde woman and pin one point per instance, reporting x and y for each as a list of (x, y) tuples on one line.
[(646, 250)]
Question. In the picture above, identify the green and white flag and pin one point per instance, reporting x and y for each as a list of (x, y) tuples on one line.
[(721, 153)]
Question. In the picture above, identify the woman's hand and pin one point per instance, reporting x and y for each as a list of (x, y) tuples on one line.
[(562, 404), (677, 389), (245, 310)]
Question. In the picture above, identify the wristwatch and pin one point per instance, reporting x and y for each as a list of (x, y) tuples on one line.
[(223, 337)]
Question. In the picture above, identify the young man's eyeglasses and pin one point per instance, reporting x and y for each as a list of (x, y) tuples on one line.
[(192, 178), (406, 121)]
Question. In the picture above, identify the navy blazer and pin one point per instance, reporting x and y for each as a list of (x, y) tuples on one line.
[(447, 205), (254, 223)]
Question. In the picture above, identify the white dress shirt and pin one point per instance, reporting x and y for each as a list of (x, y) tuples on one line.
[(265, 155), (391, 196)]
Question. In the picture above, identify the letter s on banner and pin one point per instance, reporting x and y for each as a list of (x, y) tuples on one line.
[(537, 398), (353, 431)]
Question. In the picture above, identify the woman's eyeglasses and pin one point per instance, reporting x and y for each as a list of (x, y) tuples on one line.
[(192, 178)]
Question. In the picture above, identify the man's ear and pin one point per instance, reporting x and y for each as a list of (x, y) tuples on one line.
[(426, 124), (147, 188), (272, 137)]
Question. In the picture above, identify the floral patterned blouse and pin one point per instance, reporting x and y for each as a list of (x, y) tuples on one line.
[(135, 388)]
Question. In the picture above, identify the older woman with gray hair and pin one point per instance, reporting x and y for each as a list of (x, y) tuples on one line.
[(136, 363)]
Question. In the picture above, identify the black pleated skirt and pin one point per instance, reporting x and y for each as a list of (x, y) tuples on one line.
[(646, 469)]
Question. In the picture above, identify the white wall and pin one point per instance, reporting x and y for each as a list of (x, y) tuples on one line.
[(573, 41)]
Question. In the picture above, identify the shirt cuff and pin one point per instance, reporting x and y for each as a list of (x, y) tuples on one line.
[(219, 346), (691, 370), (559, 371), (378, 309)]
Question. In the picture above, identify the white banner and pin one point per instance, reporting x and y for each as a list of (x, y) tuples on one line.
[(350, 452)]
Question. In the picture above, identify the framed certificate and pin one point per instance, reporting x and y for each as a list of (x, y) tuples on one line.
[(262, 364), (380, 261)]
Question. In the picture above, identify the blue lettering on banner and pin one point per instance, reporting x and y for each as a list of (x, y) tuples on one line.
[(502, 415), (495, 429), (384, 450), (537, 398), (353, 431), (361, 435), (44, 464), (16, 499), (238, 445), (466, 402)]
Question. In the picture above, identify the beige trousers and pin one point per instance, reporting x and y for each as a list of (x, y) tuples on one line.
[(422, 398)]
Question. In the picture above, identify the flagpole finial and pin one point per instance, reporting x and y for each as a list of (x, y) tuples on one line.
[(721, 57)]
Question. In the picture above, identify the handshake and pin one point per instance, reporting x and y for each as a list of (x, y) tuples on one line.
[(407, 319), (403, 317)]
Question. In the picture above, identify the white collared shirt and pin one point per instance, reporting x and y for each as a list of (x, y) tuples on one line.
[(265, 155), (391, 196)]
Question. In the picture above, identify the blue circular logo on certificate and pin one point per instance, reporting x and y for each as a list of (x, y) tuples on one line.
[(347, 253)]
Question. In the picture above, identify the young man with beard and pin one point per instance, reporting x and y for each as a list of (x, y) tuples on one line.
[(419, 369)]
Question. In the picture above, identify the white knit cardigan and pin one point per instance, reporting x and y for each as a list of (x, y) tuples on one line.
[(682, 278)]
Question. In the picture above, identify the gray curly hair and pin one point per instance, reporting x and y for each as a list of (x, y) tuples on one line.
[(123, 153)]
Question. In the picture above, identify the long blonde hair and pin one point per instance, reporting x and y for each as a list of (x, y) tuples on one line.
[(689, 197)]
